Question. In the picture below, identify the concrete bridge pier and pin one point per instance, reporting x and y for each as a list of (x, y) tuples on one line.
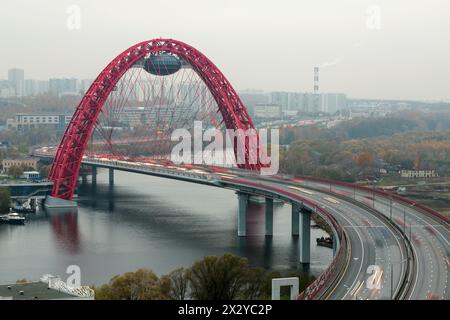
[(269, 217), (295, 219), (84, 179), (305, 237), (94, 175), (111, 177), (242, 213)]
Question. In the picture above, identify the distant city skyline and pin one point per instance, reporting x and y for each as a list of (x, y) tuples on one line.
[(70, 84), (367, 49)]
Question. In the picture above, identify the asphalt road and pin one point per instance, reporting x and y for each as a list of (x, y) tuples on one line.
[(376, 246), (430, 239)]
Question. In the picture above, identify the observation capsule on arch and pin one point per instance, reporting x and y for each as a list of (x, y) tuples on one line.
[(162, 64)]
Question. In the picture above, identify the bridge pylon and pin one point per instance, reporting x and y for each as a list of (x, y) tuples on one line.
[(94, 176), (242, 213), (111, 177), (305, 236), (301, 226), (269, 216)]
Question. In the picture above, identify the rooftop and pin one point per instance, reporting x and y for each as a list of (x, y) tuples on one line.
[(31, 291), (22, 158), (44, 114)]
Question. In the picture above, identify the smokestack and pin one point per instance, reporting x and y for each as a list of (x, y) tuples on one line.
[(316, 80), (316, 89)]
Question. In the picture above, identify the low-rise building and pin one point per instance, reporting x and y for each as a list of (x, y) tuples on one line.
[(27, 162), (26, 121), (48, 288), (418, 174), (4, 145), (31, 175), (390, 169), (268, 111)]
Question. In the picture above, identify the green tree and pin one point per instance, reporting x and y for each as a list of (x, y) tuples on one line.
[(218, 278), (5, 199), (25, 167), (44, 170), (178, 281), (140, 285), (257, 288), (15, 171)]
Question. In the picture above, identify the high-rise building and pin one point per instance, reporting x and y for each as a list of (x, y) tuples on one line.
[(332, 102), (251, 99), (30, 87), (308, 102), (15, 75), (5, 89), (16, 81), (295, 101), (63, 86), (42, 86), (280, 98), (85, 84)]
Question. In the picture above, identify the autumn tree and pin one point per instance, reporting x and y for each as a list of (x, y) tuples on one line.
[(177, 283), (224, 277), (363, 159), (218, 278), (44, 170), (140, 285), (256, 287), (5, 199), (15, 171)]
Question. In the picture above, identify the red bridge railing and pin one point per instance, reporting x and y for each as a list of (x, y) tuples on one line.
[(383, 193)]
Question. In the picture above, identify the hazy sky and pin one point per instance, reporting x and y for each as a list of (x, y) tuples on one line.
[(373, 49)]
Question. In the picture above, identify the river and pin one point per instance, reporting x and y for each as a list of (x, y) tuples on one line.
[(147, 222)]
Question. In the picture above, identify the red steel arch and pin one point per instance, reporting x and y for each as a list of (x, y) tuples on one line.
[(67, 162)]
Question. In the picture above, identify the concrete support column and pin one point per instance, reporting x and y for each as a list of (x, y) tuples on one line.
[(242, 214), (111, 177), (295, 219), (335, 243), (305, 236), (94, 175), (84, 179), (269, 217)]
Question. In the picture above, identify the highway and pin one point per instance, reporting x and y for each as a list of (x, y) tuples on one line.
[(374, 242), (396, 250), (429, 238)]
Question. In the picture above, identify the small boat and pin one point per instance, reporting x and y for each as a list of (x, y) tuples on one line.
[(325, 242), (12, 218), (21, 209)]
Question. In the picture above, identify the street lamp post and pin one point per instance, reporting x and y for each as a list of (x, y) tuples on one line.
[(410, 223), (390, 209), (404, 220), (373, 195)]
